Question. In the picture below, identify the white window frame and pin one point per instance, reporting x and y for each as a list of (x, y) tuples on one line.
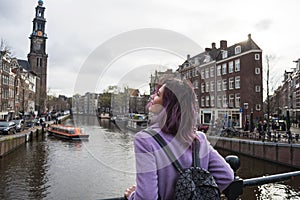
[(202, 87), (219, 85), (212, 86), (231, 83), (212, 72), (219, 102), (224, 54), (202, 101), (237, 65), (212, 101), (237, 100), (257, 70), (202, 74), (206, 73), (224, 68), (237, 82), (230, 67), (257, 88), (238, 49), (207, 101), (257, 56), (207, 87), (231, 100), (224, 84), (219, 70), (224, 101), (258, 106)]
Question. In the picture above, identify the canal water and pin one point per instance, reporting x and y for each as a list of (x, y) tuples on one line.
[(102, 167)]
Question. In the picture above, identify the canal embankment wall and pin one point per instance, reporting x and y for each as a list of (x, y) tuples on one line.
[(9, 143), (281, 153)]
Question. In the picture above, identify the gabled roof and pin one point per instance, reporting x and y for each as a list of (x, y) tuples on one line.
[(24, 64), (215, 54)]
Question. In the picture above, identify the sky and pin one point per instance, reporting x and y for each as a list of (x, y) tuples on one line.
[(95, 43)]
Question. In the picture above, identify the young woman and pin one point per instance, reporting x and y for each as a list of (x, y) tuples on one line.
[(174, 117)]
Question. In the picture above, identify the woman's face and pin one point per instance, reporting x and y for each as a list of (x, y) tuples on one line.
[(156, 103)]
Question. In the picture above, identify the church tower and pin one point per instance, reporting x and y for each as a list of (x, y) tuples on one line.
[(37, 56)]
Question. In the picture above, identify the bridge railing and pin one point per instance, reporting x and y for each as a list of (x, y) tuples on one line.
[(235, 189)]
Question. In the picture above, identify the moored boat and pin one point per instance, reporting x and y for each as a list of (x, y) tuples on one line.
[(67, 132)]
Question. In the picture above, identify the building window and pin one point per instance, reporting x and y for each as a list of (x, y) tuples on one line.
[(212, 86), (237, 65), (224, 101), (202, 102), (206, 73), (202, 87), (224, 69), (231, 100), (224, 84), (224, 54), (207, 87), (257, 88), (230, 67), (257, 56), (219, 103), (237, 82), (207, 101), (212, 101), (237, 49), (219, 68), (202, 73), (258, 107), (257, 70), (219, 85), (237, 100), (231, 83), (196, 83), (212, 72)]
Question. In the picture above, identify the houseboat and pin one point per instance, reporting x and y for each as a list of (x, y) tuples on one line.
[(67, 132), (137, 122)]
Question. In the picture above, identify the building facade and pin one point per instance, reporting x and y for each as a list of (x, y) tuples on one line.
[(228, 83), (287, 96)]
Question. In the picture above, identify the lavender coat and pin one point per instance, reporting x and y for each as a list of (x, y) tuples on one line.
[(156, 175)]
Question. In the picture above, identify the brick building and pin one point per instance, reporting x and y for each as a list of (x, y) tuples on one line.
[(228, 82)]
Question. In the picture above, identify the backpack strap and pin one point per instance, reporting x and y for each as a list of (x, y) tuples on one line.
[(166, 148), (196, 157), (171, 156)]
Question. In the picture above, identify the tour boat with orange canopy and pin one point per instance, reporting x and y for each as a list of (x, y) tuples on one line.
[(67, 132)]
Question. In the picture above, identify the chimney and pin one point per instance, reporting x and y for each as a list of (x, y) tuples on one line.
[(213, 45), (249, 36), (223, 44), (188, 57)]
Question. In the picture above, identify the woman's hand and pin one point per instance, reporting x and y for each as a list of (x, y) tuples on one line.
[(128, 191)]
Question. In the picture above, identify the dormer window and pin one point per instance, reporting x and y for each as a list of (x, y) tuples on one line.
[(224, 54), (238, 49)]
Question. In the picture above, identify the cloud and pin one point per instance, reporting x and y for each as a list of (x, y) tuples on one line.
[(264, 25)]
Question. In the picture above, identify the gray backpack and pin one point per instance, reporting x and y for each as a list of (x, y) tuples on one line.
[(194, 182)]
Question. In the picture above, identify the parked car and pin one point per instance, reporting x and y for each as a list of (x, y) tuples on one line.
[(7, 128), (20, 125)]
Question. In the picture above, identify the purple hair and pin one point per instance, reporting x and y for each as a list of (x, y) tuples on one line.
[(179, 103)]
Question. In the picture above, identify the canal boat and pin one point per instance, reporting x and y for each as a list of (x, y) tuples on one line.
[(137, 122), (67, 132)]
